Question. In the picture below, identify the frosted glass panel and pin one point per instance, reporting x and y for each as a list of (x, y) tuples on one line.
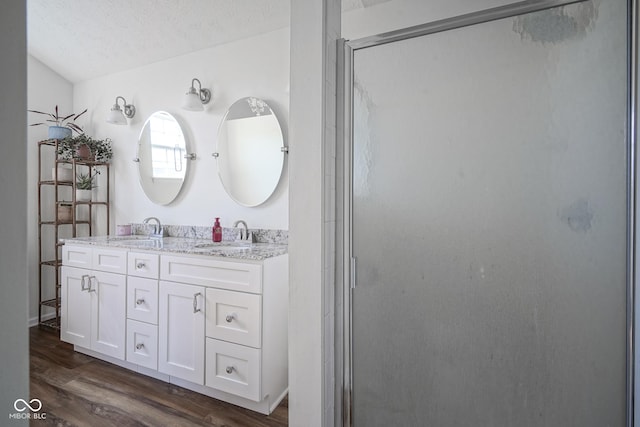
[(489, 209)]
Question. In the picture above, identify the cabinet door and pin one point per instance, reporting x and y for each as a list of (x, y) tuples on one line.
[(75, 326), (108, 313), (181, 331)]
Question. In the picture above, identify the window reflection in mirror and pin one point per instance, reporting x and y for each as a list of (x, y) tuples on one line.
[(162, 165), (167, 152)]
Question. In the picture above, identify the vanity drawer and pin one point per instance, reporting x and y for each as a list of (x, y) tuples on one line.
[(76, 256), (230, 275), (95, 258), (234, 316), (142, 299), (142, 344), (142, 264), (233, 368), (110, 260)]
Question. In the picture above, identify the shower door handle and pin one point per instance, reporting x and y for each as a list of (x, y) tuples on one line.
[(353, 272)]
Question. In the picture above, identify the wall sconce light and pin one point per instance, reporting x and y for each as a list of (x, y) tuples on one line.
[(194, 99), (116, 116)]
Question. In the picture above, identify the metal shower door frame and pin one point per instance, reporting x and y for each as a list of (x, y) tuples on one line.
[(345, 262)]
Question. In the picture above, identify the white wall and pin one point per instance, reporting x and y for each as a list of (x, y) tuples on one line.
[(46, 89), (14, 351), (315, 27), (257, 66)]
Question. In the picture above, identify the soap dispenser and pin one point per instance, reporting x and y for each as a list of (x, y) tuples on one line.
[(217, 231)]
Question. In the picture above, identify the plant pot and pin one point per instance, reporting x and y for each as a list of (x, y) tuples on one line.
[(65, 213), (83, 195), (64, 174), (83, 152), (59, 132)]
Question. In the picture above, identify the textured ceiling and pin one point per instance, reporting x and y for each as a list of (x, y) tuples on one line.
[(84, 39)]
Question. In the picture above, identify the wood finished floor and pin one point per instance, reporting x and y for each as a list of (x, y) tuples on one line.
[(79, 390)]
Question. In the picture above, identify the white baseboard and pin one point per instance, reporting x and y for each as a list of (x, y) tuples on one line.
[(34, 320)]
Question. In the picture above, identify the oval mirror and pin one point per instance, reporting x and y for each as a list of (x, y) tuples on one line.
[(162, 162), (249, 152)]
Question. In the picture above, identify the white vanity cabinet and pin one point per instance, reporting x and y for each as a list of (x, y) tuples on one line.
[(93, 299), (233, 327), (214, 325)]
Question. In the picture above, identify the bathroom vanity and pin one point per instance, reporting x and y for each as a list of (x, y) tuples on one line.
[(208, 317)]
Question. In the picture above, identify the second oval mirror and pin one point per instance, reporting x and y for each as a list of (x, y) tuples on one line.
[(162, 161), (250, 156)]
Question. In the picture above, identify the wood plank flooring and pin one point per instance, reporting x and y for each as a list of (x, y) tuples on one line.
[(79, 390)]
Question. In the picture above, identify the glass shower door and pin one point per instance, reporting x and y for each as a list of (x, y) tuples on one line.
[(489, 212)]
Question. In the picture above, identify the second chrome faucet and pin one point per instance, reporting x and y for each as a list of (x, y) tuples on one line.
[(158, 230), (245, 235)]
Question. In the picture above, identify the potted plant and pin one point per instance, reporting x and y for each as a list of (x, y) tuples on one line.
[(85, 183), (84, 147), (64, 125), (102, 150)]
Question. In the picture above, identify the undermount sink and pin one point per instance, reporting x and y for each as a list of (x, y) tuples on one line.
[(140, 241), (127, 238), (222, 246)]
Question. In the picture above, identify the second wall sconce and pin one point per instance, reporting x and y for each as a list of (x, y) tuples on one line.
[(195, 99), (116, 115)]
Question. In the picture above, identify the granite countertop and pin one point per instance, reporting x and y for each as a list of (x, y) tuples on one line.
[(186, 245)]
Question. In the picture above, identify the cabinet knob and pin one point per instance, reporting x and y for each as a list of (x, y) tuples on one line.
[(139, 346), (140, 301), (230, 317), (140, 265), (229, 369)]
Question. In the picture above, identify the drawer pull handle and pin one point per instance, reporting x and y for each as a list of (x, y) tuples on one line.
[(90, 283), (139, 346), (195, 302), (140, 301), (83, 284), (230, 369), (230, 317), (140, 265)]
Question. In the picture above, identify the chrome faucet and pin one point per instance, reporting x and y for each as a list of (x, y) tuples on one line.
[(158, 230), (245, 235)]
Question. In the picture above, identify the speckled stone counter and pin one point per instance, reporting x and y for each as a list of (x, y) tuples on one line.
[(186, 245)]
